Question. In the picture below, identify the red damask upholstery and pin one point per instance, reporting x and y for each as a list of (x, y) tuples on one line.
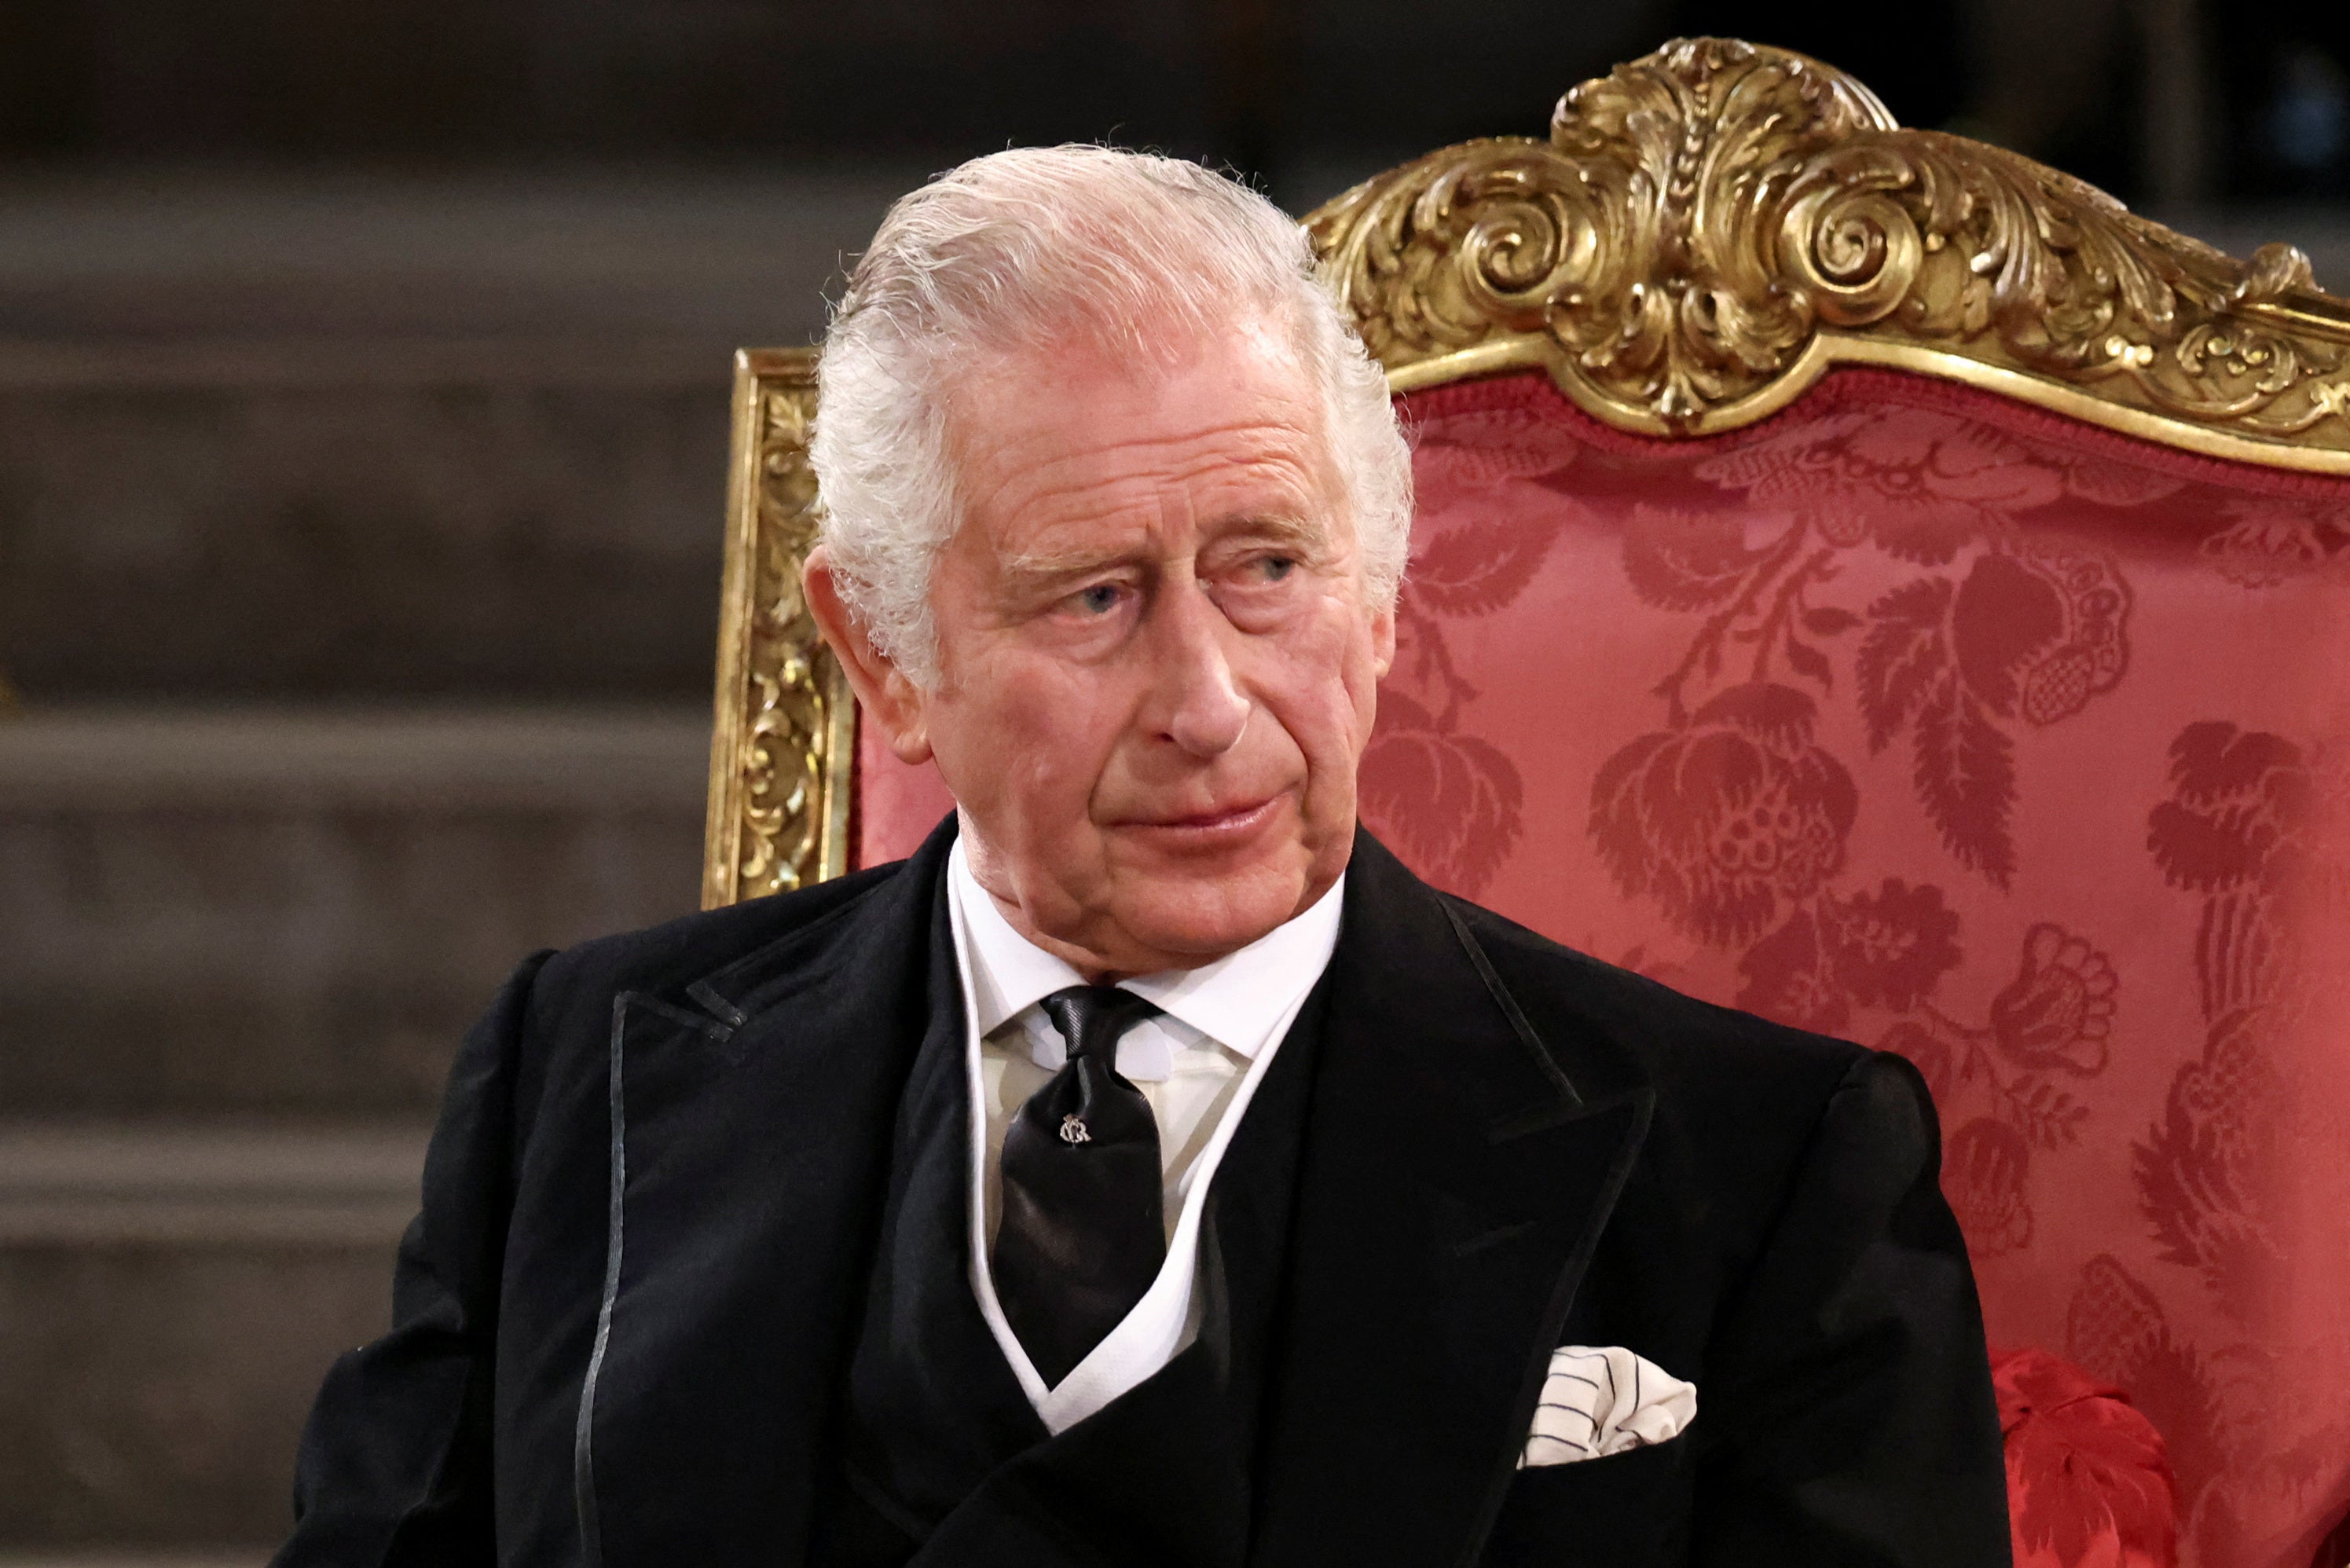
[(1920, 716)]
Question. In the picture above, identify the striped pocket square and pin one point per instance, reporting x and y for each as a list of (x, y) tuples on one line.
[(1602, 1401)]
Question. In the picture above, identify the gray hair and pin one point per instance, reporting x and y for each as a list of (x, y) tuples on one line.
[(1107, 245)]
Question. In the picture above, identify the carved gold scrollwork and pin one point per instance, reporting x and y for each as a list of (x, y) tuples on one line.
[(1709, 228), (780, 756)]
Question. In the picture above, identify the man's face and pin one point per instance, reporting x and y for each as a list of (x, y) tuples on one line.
[(1156, 671)]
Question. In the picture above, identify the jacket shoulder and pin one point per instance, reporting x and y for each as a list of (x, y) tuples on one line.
[(1742, 1105), (674, 954), (1689, 1049), (569, 1009)]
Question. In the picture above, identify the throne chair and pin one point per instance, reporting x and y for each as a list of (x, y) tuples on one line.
[(1869, 578)]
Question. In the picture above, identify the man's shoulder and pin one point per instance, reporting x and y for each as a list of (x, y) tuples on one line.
[(1695, 1053), (1739, 1103), (665, 959)]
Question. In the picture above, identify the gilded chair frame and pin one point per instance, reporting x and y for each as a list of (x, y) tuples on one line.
[(782, 755), (1705, 232)]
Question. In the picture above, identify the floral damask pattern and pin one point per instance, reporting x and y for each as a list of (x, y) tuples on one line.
[(1888, 718), (1449, 799), (2245, 830), (2009, 627), (2120, 1331), (1730, 818), (1919, 485), (2059, 1011), (1735, 820), (2251, 829), (2266, 543), (2014, 1078), (1885, 948), (2029, 632)]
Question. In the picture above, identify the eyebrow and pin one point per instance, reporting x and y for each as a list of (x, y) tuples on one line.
[(1280, 528), (1044, 567)]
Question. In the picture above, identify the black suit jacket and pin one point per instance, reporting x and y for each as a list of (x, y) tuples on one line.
[(649, 1214)]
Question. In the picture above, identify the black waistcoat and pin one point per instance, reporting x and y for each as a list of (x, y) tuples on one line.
[(944, 1464)]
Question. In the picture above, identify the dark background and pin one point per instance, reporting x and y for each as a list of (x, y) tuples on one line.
[(1278, 88), (363, 371)]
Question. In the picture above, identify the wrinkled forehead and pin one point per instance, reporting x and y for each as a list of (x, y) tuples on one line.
[(1146, 352), (1059, 430)]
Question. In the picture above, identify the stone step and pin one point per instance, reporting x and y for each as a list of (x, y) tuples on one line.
[(707, 257), (295, 912), (478, 520), (171, 1294), (296, 436)]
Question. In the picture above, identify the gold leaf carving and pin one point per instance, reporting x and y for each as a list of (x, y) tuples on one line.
[(1709, 228), (780, 763)]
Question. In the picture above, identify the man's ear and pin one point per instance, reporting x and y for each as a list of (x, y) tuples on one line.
[(887, 698), (1383, 640)]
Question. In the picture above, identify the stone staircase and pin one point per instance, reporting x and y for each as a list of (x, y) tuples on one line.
[(359, 555), (239, 949)]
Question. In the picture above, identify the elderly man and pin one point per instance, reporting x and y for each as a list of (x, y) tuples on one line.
[(1151, 1169)]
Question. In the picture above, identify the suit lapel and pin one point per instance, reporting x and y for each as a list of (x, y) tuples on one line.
[(1455, 1178), (751, 1125)]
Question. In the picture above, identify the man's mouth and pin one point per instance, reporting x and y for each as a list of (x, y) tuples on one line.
[(1215, 822)]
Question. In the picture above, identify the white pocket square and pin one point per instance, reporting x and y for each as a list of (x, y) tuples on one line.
[(1602, 1401)]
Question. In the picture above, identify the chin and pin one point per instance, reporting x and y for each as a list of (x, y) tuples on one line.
[(1206, 918)]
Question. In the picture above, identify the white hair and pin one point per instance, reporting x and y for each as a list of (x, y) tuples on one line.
[(1047, 243)]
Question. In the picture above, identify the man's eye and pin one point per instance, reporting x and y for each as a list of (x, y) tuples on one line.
[(1275, 567), (1099, 599)]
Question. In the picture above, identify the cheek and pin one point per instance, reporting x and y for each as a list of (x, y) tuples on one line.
[(1029, 739), (1324, 692)]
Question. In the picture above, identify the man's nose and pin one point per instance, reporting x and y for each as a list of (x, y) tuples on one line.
[(1204, 712)]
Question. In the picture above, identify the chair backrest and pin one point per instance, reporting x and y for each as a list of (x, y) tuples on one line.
[(1868, 578)]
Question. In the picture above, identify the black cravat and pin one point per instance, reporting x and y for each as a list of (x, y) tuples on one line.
[(1083, 1234)]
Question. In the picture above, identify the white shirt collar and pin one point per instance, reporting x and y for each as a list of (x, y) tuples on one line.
[(1236, 1001)]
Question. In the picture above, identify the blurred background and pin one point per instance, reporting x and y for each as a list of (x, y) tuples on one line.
[(363, 372)]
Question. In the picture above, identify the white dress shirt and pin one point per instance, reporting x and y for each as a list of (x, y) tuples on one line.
[(1198, 1063)]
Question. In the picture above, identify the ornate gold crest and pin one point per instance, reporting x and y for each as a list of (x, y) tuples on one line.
[(1709, 228)]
